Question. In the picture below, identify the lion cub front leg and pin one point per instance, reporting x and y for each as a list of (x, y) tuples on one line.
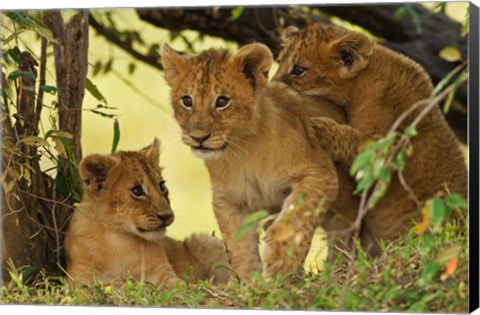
[(244, 256), (342, 142), (289, 238), (159, 271)]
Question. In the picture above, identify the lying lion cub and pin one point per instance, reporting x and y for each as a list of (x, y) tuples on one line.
[(375, 86), (119, 228), (260, 150)]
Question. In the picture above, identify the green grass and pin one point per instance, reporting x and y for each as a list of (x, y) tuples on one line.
[(407, 277)]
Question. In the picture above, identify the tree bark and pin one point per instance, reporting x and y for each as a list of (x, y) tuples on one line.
[(24, 241), (34, 214), (71, 64)]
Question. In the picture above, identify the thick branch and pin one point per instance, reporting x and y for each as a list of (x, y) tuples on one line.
[(259, 24), (262, 24)]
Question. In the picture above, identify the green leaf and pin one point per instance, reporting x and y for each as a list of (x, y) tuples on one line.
[(391, 294), (465, 25), (450, 54), (440, 8), (34, 140), (236, 13), (399, 162), (249, 222), (18, 73), (399, 13), (378, 193), (451, 94), (244, 229), (429, 272), (15, 55), (362, 159), (415, 18), (454, 200), (12, 37), (254, 217), (49, 89), (438, 213), (93, 90), (32, 24), (446, 80), (19, 17), (410, 131), (116, 135)]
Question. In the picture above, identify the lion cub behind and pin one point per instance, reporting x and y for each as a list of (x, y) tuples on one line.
[(119, 228), (375, 86)]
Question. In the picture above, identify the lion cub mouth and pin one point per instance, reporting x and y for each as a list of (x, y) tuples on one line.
[(160, 228), (209, 153)]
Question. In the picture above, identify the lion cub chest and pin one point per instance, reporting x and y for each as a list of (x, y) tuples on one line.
[(257, 190)]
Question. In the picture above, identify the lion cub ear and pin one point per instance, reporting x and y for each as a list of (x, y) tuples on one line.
[(152, 152), (289, 33), (173, 62), (254, 61), (353, 52), (94, 170)]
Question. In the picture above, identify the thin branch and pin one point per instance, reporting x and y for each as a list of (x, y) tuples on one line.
[(405, 186), (43, 62)]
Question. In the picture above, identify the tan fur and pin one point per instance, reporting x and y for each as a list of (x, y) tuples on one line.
[(261, 152), (114, 233), (375, 86)]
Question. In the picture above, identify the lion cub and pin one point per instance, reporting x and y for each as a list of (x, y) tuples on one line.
[(119, 227), (375, 86), (259, 148)]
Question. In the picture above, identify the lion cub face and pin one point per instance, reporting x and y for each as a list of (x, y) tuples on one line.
[(129, 191), (321, 58), (214, 95)]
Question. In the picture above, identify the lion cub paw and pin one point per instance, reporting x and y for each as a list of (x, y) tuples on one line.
[(283, 250), (325, 128)]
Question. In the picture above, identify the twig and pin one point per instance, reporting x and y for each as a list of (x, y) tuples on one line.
[(55, 226), (43, 62), (408, 189)]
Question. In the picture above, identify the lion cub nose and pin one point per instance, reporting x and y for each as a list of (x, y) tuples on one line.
[(167, 219), (200, 139)]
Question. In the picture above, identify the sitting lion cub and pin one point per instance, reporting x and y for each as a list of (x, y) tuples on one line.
[(259, 148), (375, 86), (119, 228)]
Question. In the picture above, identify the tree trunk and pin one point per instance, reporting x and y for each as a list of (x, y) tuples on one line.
[(35, 214), (24, 241)]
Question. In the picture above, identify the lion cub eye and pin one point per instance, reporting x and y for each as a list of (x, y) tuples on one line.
[(187, 102), (298, 71), (137, 191), (163, 188), (222, 102)]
